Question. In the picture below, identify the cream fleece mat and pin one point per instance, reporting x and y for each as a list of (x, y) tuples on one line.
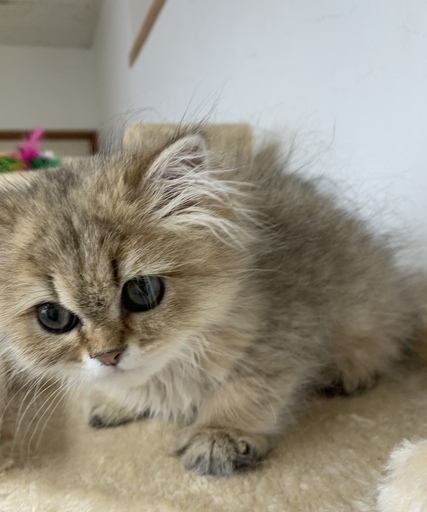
[(330, 461)]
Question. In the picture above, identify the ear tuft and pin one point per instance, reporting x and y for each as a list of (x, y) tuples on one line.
[(184, 189), (189, 154)]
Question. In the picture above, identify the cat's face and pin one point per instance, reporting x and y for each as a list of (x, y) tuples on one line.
[(114, 266)]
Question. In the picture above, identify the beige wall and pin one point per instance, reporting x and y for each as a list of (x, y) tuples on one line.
[(47, 87)]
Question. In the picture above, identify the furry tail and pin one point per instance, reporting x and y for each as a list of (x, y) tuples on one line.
[(402, 490)]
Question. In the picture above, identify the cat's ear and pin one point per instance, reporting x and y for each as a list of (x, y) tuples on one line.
[(186, 189), (187, 155), (179, 180)]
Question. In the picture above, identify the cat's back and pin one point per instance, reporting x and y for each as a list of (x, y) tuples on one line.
[(320, 258)]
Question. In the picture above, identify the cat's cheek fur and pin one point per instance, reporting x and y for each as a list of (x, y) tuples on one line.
[(3, 392)]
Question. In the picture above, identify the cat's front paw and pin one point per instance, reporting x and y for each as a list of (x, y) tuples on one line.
[(106, 416), (220, 451)]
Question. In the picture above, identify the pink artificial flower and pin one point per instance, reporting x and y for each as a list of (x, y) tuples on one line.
[(29, 149)]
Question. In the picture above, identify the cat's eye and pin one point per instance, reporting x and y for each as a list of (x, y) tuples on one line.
[(55, 318), (142, 293)]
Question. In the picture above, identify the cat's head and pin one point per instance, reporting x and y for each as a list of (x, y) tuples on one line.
[(117, 265)]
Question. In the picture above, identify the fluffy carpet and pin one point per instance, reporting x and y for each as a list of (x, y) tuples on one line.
[(330, 460)]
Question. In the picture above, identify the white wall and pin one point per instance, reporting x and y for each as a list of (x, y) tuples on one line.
[(47, 87), (349, 77)]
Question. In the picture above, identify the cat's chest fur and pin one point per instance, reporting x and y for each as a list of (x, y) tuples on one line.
[(175, 393)]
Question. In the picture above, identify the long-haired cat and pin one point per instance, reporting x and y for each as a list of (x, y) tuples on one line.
[(193, 293)]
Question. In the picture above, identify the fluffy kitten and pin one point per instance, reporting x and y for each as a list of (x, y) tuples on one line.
[(183, 291)]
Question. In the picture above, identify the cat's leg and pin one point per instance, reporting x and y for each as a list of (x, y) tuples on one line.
[(110, 411), (237, 426), (359, 362), (108, 415), (375, 330)]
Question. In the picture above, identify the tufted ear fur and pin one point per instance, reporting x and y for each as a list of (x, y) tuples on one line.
[(188, 154), (185, 190), (179, 181)]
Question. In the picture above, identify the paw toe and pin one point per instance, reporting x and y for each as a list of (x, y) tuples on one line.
[(96, 421), (217, 453)]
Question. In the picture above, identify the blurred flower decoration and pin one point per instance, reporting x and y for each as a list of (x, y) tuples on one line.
[(28, 155)]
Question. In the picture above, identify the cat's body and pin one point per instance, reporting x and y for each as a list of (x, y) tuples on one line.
[(269, 288)]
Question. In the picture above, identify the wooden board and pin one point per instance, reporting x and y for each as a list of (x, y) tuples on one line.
[(145, 29)]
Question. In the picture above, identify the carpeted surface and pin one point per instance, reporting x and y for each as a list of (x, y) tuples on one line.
[(330, 461)]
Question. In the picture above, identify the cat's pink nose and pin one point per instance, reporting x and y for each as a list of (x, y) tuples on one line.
[(109, 358)]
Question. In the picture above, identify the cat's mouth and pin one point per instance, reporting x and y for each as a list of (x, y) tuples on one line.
[(112, 369), (127, 366), (132, 363)]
